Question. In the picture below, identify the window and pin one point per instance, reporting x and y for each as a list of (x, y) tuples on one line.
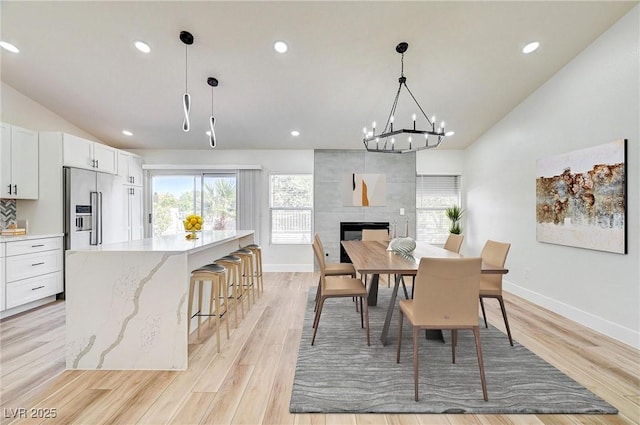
[(434, 194), (291, 205), (213, 196)]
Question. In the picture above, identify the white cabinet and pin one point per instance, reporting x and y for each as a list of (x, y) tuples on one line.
[(2, 283), (83, 153), (33, 270), (18, 162), (133, 219), (130, 168)]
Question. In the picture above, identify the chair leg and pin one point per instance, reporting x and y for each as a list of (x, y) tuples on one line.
[(400, 315), (315, 307), (476, 333), (317, 320), (200, 284), (483, 313), (361, 314), (366, 315), (454, 342), (506, 321), (415, 362)]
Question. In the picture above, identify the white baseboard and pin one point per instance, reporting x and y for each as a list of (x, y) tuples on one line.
[(24, 307), (287, 267), (606, 327)]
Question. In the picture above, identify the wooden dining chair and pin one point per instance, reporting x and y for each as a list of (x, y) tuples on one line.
[(332, 269), (454, 242), (446, 296), (381, 235), (494, 253), (337, 286)]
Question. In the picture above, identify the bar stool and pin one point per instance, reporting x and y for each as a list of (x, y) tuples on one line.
[(233, 265), (246, 255), (214, 273), (257, 255)]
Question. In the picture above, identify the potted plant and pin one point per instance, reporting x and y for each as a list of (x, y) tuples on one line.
[(454, 213)]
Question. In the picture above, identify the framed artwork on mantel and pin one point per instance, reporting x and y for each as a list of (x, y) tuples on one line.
[(364, 190), (581, 198)]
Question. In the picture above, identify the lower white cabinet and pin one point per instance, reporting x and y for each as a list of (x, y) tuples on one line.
[(32, 270), (2, 283)]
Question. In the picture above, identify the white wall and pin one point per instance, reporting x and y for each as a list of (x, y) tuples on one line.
[(275, 257), (592, 100), (20, 110)]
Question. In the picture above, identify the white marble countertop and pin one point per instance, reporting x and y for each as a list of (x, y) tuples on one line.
[(174, 243), (28, 237)]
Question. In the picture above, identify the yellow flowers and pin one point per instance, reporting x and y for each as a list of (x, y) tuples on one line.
[(193, 223)]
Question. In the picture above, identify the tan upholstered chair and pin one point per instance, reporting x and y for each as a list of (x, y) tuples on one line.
[(446, 296), (381, 235), (335, 286), (454, 242), (332, 269), (494, 253)]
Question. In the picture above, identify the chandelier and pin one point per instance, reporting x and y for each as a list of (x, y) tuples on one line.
[(405, 139)]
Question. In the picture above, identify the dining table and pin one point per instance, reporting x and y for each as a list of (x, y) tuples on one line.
[(374, 258)]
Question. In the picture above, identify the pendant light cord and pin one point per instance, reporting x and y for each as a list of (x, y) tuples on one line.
[(186, 68)]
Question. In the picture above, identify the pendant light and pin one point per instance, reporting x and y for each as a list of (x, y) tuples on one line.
[(385, 141), (187, 39), (212, 121)]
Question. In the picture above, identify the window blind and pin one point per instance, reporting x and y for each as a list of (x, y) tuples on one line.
[(433, 195)]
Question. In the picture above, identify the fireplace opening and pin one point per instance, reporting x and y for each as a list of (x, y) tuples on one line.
[(352, 230)]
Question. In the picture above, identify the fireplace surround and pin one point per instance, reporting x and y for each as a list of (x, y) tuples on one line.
[(352, 230)]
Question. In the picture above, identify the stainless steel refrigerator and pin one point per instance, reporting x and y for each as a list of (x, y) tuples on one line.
[(93, 212)]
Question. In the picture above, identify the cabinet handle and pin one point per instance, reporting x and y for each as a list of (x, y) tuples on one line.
[(9, 189), (97, 164), (38, 264), (38, 287), (36, 246), (15, 189)]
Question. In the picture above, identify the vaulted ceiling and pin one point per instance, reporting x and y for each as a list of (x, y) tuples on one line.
[(464, 64)]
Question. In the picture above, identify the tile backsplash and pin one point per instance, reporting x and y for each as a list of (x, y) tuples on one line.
[(7, 212)]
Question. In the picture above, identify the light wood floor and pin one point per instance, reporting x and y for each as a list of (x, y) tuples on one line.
[(250, 381)]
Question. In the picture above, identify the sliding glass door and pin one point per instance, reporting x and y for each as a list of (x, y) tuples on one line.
[(211, 195)]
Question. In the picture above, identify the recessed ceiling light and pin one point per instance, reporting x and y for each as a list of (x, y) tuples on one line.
[(142, 46), (280, 46), (127, 133), (531, 47), (10, 47), (295, 133)]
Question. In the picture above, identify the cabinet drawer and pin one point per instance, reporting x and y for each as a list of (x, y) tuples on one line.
[(33, 245), (28, 290), (30, 265)]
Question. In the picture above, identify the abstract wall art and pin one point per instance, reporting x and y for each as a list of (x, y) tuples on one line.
[(364, 190), (581, 198)]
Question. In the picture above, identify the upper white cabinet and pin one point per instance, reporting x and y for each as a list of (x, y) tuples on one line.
[(18, 163), (83, 153), (130, 168)]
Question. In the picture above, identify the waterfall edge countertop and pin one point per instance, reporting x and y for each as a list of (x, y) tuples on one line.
[(174, 243), (127, 302)]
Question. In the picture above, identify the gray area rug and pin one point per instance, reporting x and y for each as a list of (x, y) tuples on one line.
[(340, 374)]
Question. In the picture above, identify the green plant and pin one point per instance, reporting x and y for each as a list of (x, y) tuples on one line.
[(454, 213)]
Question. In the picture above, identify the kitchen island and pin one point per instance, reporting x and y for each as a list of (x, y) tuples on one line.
[(127, 302)]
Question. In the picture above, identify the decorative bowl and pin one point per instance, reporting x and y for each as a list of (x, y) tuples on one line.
[(192, 223), (402, 245)]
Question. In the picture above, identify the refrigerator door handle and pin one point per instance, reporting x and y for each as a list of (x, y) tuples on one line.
[(95, 220), (100, 218)]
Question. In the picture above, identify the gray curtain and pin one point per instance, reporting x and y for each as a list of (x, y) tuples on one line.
[(249, 201)]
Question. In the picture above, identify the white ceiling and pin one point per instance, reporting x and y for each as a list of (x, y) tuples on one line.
[(464, 64)]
